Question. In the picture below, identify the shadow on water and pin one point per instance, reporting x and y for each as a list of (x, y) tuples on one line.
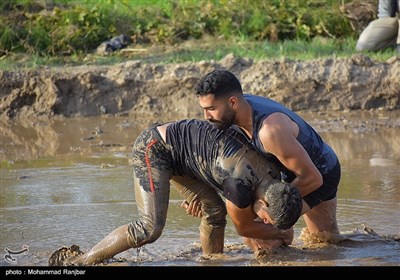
[(68, 181)]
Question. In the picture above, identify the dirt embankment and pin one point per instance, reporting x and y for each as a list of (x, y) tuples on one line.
[(138, 89)]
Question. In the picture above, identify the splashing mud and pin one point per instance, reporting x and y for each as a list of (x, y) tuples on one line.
[(361, 247)]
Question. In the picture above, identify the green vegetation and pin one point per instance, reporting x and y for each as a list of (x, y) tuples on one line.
[(55, 32)]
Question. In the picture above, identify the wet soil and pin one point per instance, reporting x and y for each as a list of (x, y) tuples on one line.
[(166, 90), (337, 90)]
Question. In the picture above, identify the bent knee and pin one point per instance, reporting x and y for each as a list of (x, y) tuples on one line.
[(141, 233)]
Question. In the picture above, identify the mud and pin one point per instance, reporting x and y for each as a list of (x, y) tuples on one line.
[(44, 113), (166, 90), (359, 247)]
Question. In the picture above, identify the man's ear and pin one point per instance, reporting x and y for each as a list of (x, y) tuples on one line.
[(233, 102), (263, 203)]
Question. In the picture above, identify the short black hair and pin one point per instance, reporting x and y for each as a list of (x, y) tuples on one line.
[(284, 203), (219, 83)]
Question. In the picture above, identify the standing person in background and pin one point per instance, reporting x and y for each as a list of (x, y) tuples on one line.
[(384, 32), (278, 133)]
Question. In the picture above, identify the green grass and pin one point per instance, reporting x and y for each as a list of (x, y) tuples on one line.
[(198, 50), (37, 33), (60, 27)]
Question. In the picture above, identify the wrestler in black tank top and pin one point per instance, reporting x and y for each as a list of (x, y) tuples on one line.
[(199, 149)]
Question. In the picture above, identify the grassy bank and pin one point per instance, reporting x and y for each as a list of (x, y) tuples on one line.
[(198, 50), (35, 33)]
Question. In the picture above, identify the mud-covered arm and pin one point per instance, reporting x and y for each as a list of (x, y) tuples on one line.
[(243, 219)]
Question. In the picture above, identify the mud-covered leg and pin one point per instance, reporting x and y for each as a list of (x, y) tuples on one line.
[(211, 235), (398, 34), (322, 217), (213, 220), (151, 175), (114, 243)]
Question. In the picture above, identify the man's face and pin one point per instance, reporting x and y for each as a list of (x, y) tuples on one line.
[(217, 111), (262, 214)]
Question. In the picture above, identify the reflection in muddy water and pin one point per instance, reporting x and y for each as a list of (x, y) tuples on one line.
[(68, 181)]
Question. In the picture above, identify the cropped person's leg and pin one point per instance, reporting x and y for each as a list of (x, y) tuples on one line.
[(213, 220), (398, 34), (379, 34)]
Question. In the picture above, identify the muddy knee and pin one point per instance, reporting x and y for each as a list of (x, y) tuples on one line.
[(140, 233), (213, 220), (214, 214), (212, 228)]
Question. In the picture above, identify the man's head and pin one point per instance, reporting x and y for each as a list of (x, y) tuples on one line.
[(278, 203), (219, 93)]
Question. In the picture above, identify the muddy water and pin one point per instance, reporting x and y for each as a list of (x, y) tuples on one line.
[(68, 181)]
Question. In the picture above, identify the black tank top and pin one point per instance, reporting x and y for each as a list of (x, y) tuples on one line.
[(320, 153), (224, 159)]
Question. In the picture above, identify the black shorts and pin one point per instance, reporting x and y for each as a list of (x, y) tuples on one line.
[(328, 189)]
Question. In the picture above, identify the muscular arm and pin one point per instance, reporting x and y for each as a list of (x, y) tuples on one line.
[(278, 136), (243, 219)]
